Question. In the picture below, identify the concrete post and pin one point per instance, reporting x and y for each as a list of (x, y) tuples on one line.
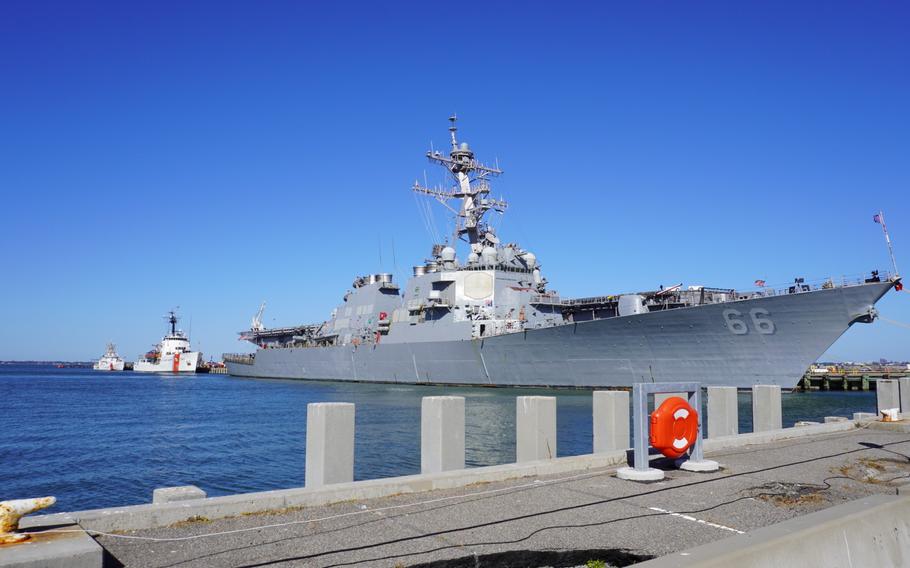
[(723, 412), (329, 443), (535, 428), (887, 394), (660, 397), (611, 421), (441, 433), (766, 410), (904, 388)]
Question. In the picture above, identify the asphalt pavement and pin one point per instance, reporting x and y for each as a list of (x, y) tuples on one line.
[(564, 520)]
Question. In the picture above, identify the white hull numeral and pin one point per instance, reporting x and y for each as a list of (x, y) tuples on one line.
[(761, 321)]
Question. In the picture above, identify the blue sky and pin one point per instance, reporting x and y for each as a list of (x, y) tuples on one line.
[(215, 155)]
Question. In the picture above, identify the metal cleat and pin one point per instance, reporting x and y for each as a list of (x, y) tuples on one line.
[(890, 415), (12, 511)]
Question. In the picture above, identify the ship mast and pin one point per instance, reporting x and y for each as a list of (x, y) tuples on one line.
[(172, 319), (471, 187)]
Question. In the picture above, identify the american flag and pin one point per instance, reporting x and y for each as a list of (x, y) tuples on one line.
[(760, 283), (877, 218)]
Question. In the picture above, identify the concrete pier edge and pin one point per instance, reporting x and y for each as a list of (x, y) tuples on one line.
[(139, 517), (873, 530)]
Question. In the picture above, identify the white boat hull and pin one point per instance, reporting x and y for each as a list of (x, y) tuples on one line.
[(108, 366), (171, 363)]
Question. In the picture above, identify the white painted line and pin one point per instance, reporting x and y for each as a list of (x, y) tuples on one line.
[(688, 518)]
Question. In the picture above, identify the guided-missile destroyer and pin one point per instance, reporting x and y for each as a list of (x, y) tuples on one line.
[(491, 319)]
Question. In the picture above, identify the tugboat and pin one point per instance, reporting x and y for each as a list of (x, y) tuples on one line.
[(172, 354), (110, 361)]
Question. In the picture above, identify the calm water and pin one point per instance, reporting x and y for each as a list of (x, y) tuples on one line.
[(104, 439)]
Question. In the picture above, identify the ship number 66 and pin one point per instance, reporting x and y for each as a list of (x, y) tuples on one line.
[(760, 321)]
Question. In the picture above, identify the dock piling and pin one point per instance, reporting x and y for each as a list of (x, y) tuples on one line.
[(535, 428), (723, 412), (329, 443), (611, 421), (441, 433), (766, 408)]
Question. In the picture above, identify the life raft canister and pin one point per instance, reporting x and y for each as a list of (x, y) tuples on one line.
[(674, 427)]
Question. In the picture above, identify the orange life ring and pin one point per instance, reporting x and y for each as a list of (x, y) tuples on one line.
[(674, 427)]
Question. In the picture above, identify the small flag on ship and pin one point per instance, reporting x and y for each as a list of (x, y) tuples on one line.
[(877, 218), (760, 283)]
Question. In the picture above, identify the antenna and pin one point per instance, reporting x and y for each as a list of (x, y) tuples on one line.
[(880, 219), (394, 262), (452, 130), (471, 188)]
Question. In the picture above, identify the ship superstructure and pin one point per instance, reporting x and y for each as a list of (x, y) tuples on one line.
[(110, 361), (491, 319), (172, 354)]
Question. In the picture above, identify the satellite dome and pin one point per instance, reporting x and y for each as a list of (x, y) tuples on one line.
[(447, 254), (473, 258), (530, 259), (488, 255)]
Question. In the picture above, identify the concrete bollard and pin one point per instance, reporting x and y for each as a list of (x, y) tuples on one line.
[(329, 443), (179, 493), (660, 397), (723, 412), (766, 409), (887, 394), (904, 389), (441, 433), (535, 428), (611, 421)]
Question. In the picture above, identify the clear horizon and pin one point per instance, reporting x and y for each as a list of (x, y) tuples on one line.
[(216, 155)]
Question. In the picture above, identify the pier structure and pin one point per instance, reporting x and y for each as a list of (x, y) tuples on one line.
[(445, 505), (851, 380)]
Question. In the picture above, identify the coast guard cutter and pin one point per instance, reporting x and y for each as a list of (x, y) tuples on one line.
[(490, 319)]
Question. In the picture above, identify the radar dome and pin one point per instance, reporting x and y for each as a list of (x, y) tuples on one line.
[(530, 259), (473, 258), (488, 255), (447, 254)]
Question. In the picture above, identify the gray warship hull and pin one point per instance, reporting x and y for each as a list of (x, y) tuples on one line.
[(713, 344)]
